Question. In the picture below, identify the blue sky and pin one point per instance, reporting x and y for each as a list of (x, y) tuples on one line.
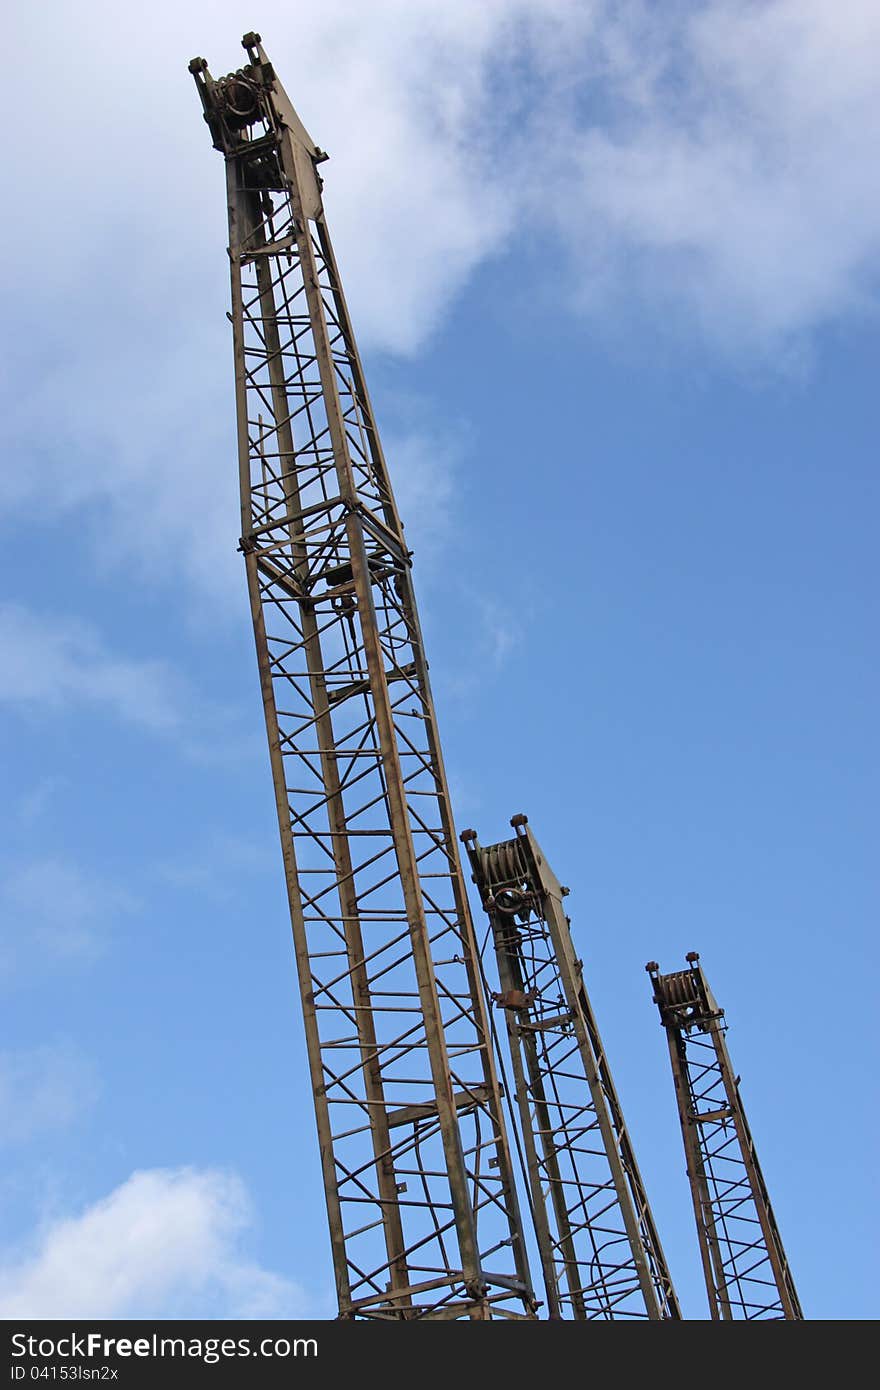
[(614, 272)]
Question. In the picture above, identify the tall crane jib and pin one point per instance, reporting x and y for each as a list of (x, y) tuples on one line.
[(600, 1253), (422, 1206), (744, 1264)]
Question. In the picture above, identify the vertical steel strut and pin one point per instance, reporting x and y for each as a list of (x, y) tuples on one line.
[(422, 1206), (600, 1252), (744, 1264)]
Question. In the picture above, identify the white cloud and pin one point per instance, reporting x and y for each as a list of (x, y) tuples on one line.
[(43, 1088), (166, 1243), (52, 663), (501, 631), (707, 165), (52, 908), (399, 94), (731, 185), (56, 664), (138, 383), (489, 634), (206, 867), (425, 467), (713, 129), (38, 799)]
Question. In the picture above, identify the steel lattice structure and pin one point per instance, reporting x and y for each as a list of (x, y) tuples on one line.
[(421, 1201), (744, 1263), (600, 1252)]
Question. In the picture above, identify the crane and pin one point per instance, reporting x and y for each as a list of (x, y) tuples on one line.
[(744, 1264), (600, 1252), (421, 1198)]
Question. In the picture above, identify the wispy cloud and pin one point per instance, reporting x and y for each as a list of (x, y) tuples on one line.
[(501, 631), (424, 466), (50, 662), (52, 908), (38, 799), (43, 1089), (492, 631), (208, 867), (165, 1243), (59, 664)]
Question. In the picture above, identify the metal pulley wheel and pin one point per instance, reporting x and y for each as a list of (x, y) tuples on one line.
[(508, 901), (242, 100)]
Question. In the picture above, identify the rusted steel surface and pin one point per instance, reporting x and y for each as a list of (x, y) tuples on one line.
[(600, 1253), (744, 1264), (422, 1206)]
